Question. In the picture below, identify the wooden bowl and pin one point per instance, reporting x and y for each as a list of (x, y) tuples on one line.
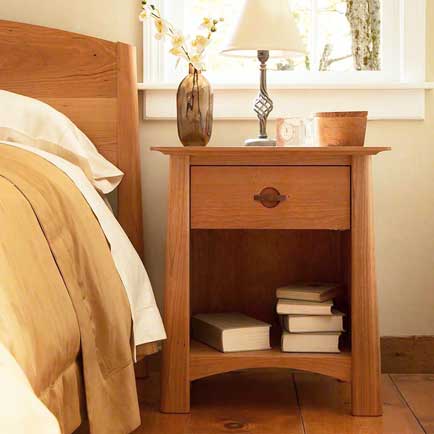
[(341, 128)]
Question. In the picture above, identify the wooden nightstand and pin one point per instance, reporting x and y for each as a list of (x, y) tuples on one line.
[(230, 244)]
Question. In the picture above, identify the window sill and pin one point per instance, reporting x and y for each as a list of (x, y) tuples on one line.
[(384, 101), (339, 86)]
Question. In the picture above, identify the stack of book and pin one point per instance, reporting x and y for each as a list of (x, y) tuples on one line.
[(309, 320)]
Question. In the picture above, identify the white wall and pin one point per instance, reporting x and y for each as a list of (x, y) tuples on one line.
[(403, 179)]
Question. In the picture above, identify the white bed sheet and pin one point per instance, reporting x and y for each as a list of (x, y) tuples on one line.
[(21, 412)]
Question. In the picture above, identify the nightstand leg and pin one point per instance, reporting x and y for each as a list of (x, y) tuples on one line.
[(175, 381), (366, 369)]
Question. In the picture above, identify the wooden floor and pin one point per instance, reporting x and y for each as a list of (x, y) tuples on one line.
[(280, 402)]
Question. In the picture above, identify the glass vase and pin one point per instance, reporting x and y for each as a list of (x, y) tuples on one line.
[(194, 109)]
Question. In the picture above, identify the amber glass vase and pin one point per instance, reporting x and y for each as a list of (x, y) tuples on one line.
[(194, 108)]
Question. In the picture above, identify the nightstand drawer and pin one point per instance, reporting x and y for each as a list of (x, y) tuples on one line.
[(258, 197)]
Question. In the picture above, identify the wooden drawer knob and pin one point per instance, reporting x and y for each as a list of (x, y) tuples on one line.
[(269, 197)]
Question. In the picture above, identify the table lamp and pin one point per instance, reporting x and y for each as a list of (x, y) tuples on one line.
[(265, 28)]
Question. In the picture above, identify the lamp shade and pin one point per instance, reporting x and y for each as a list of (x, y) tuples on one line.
[(265, 25)]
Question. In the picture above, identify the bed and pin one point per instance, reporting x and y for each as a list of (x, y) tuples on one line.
[(65, 313)]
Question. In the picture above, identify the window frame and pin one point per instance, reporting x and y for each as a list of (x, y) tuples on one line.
[(401, 82)]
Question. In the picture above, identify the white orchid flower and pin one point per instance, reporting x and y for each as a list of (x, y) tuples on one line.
[(178, 40), (183, 48), (207, 23), (144, 14), (197, 61), (161, 28), (200, 42)]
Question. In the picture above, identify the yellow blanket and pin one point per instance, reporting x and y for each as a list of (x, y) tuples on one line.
[(60, 293)]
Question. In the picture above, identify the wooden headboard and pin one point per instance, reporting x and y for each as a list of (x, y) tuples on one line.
[(93, 82)]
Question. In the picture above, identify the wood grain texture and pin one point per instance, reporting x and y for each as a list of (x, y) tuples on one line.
[(236, 265), (130, 190), (75, 74), (288, 159), (366, 393), (93, 82), (175, 384), (317, 197), (206, 361), (154, 421), (418, 392), (96, 117), (262, 153), (255, 402), (266, 402), (272, 156), (326, 409), (408, 354), (341, 128), (239, 270), (43, 62), (246, 402), (396, 357), (147, 349)]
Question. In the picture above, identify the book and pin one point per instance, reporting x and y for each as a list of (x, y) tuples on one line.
[(314, 323), (326, 342), (298, 307), (309, 292), (228, 332)]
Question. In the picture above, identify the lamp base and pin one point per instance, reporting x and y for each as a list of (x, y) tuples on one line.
[(260, 142)]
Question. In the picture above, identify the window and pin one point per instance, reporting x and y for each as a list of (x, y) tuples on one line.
[(326, 31), (391, 56)]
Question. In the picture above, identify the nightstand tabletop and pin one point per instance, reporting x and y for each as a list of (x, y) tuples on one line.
[(266, 151)]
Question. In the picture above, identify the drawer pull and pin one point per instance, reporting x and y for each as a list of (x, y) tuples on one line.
[(269, 197)]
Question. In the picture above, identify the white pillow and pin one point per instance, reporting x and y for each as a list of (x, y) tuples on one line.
[(31, 122)]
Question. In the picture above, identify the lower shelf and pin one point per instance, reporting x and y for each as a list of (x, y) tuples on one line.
[(206, 361)]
